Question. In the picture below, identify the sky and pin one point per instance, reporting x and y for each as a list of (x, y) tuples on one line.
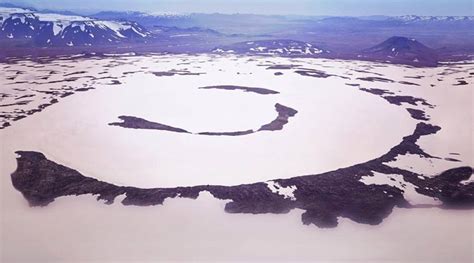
[(268, 7)]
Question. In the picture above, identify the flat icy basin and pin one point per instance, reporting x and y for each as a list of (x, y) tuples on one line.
[(336, 125)]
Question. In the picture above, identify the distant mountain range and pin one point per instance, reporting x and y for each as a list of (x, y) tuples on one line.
[(50, 29), (367, 38), (282, 47), (415, 18)]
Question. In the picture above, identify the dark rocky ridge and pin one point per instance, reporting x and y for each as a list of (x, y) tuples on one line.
[(284, 113), (373, 79), (283, 66), (324, 197), (139, 123), (313, 73), (236, 133), (418, 114), (174, 72), (261, 91), (398, 100)]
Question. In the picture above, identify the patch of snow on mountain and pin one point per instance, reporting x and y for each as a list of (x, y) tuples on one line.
[(7, 11), (114, 26), (286, 192), (57, 28), (139, 33), (415, 18), (396, 180), (23, 16), (58, 17)]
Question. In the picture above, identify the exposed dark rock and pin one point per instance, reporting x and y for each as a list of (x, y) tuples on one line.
[(373, 79), (415, 77), (313, 73), (175, 72), (353, 84), (83, 89), (23, 102), (284, 113), (24, 96), (66, 94), (283, 66), (139, 123), (17, 118), (247, 89), (75, 73), (418, 114), (377, 91), (408, 83), (398, 100), (164, 73), (452, 159), (236, 133), (115, 82), (461, 83), (324, 197)]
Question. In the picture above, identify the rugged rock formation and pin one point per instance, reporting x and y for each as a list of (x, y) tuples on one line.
[(324, 197)]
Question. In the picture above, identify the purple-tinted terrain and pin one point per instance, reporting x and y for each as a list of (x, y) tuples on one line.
[(412, 40), (147, 137)]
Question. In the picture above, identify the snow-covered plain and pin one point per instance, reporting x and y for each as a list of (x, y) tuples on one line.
[(336, 126), (318, 139)]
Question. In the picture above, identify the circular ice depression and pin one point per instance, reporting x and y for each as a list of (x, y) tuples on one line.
[(336, 126)]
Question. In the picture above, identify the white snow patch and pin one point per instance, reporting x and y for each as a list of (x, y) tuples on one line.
[(180, 35), (396, 180), (219, 50), (286, 192), (57, 28), (138, 32), (421, 165), (61, 18), (468, 181), (114, 26)]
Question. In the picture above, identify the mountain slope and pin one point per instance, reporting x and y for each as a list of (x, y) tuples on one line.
[(282, 47), (49, 29), (402, 50)]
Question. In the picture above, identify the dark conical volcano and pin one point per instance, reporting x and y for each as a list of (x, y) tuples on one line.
[(404, 51)]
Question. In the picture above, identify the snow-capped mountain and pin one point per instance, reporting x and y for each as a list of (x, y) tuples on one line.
[(124, 14), (272, 47), (49, 29), (415, 18), (402, 50)]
